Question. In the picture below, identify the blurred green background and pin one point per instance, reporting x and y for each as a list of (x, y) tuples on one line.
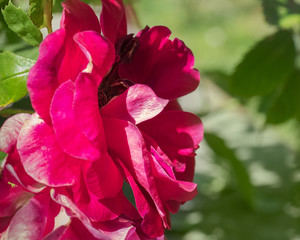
[(248, 164)]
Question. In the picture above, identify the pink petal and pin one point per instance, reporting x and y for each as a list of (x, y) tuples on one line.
[(14, 172), (42, 79), (77, 17), (4, 223), (68, 134), (57, 233), (11, 203), (152, 224), (165, 65), (99, 51), (101, 209), (103, 178), (29, 222), (138, 104), (4, 188), (77, 231), (177, 190), (176, 132), (113, 20), (42, 157), (10, 130), (135, 157), (86, 111)]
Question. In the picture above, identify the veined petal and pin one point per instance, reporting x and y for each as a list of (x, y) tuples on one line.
[(42, 157), (137, 104), (77, 17), (68, 134), (135, 157), (10, 130), (113, 19), (179, 191), (176, 132), (99, 51), (42, 79), (165, 65), (103, 178), (86, 111), (30, 221)]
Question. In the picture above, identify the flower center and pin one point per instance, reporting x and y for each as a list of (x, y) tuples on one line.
[(112, 85)]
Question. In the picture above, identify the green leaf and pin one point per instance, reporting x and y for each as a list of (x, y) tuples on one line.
[(13, 75), (36, 12), (2, 156), (286, 105), (275, 10), (18, 21), (242, 177), (266, 66), (220, 78)]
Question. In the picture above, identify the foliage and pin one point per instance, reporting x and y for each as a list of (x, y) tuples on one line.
[(266, 77), (19, 22), (13, 71)]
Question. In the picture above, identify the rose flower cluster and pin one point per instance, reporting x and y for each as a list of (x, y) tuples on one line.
[(107, 119)]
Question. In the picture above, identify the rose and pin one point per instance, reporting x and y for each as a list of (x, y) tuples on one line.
[(107, 112)]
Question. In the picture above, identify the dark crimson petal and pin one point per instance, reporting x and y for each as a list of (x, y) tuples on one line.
[(113, 19), (177, 190), (152, 224), (4, 188), (165, 65), (42, 157), (67, 132), (103, 178), (138, 104), (101, 209), (177, 133), (4, 223)]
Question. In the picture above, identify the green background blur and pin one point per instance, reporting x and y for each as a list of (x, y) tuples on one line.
[(247, 166)]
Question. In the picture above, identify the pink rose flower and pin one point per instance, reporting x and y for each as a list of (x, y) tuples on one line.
[(107, 112), (31, 210)]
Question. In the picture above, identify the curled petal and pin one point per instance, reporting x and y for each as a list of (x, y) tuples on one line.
[(103, 178), (77, 17), (113, 19), (177, 190), (30, 221), (16, 198), (135, 157), (138, 104), (42, 157), (86, 111), (99, 51), (165, 65), (10, 130), (42, 79), (177, 133), (68, 134)]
